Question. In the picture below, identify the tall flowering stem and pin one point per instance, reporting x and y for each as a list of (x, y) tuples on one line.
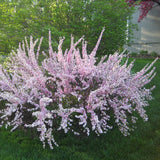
[(71, 88)]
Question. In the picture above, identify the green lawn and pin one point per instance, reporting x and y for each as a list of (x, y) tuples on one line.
[(142, 144)]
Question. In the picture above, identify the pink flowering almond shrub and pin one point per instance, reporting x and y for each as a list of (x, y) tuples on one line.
[(70, 89)]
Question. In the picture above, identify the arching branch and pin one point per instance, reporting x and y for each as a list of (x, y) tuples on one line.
[(156, 1)]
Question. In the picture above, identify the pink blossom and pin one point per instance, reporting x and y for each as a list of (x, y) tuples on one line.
[(68, 86)]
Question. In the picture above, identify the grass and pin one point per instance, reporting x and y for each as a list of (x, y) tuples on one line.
[(142, 144)]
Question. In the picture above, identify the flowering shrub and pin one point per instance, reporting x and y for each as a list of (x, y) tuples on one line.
[(71, 88)]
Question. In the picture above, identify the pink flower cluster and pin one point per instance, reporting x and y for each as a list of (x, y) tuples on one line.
[(144, 6), (71, 87)]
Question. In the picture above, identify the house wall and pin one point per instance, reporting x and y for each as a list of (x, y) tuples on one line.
[(148, 35)]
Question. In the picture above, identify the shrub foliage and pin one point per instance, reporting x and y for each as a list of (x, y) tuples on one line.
[(71, 88)]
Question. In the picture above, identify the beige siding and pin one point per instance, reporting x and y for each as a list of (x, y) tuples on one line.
[(148, 35)]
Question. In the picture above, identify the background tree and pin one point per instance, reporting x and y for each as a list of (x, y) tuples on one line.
[(64, 17)]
